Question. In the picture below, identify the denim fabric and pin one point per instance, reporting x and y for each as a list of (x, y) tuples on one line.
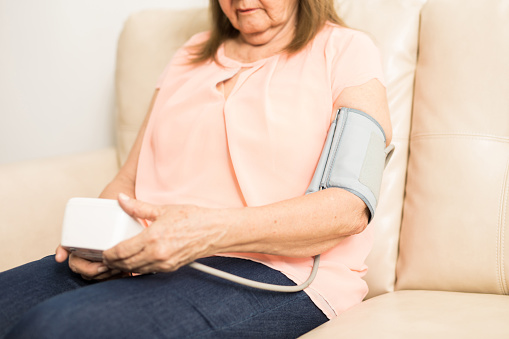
[(45, 299)]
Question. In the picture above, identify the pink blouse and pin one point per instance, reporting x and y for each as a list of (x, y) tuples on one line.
[(260, 145)]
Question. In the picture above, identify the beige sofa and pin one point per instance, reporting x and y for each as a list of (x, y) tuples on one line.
[(440, 266)]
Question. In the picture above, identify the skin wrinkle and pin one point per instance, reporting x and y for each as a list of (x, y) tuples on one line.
[(268, 35)]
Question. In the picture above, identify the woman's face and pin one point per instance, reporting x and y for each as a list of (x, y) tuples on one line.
[(259, 20)]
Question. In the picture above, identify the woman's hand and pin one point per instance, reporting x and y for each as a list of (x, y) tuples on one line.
[(178, 235), (89, 270)]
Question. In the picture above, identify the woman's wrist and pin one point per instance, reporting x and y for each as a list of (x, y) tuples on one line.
[(113, 189), (240, 233), (253, 229)]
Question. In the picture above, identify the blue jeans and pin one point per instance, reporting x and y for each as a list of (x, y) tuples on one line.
[(44, 299)]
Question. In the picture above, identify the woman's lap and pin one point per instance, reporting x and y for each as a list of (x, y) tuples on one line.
[(186, 303), (28, 285)]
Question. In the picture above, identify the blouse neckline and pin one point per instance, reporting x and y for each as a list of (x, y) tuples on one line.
[(229, 62)]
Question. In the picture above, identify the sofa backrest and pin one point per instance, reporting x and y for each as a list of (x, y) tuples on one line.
[(150, 38), (394, 26), (146, 44), (455, 230)]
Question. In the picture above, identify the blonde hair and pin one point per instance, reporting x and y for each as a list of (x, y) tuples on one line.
[(311, 17)]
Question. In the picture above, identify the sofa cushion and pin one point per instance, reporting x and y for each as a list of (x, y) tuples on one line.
[(147, 43), (455, 231), (421, 314)]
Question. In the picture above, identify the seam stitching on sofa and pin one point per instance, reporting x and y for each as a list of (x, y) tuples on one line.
[(504, 200), (460, 135), (498, 249)]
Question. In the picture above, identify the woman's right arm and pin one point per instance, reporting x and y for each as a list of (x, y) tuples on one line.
[(125, 179), (124, 182)]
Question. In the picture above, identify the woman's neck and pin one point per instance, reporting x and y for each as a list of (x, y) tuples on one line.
[(251, 48)]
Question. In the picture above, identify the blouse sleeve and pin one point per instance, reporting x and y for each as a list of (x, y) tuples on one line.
[(355, 61)]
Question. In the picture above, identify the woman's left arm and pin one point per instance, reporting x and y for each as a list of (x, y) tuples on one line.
[(300, 227), (370, 98)]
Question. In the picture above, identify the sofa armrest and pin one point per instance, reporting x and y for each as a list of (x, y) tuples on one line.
[(33, 198)]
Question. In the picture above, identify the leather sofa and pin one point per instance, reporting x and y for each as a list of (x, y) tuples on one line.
[(440, 264)]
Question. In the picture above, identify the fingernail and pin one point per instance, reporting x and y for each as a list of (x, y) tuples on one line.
[(102, 269), (123, 196)]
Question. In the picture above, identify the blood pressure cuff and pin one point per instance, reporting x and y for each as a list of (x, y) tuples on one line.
[(354, 157)]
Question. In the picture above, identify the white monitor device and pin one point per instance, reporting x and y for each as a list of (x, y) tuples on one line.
[(92, 225)]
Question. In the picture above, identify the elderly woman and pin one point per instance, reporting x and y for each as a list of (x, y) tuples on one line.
[(219, 171)]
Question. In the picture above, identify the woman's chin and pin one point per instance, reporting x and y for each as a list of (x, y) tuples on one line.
[(253, 29), (256, 37)]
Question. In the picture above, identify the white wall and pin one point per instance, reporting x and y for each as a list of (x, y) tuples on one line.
[(57, 62)]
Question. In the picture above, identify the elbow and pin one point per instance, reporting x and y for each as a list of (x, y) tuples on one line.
[(363, 220), (360, 215), (352, 217), (355, 223), (360, 221)]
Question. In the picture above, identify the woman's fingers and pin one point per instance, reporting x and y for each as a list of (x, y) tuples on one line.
[(115, 256), (138, 209), (144, 261), (140, 252), (91, 270), (110, 274), (61, 254), (87, 269), (132, 264)]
